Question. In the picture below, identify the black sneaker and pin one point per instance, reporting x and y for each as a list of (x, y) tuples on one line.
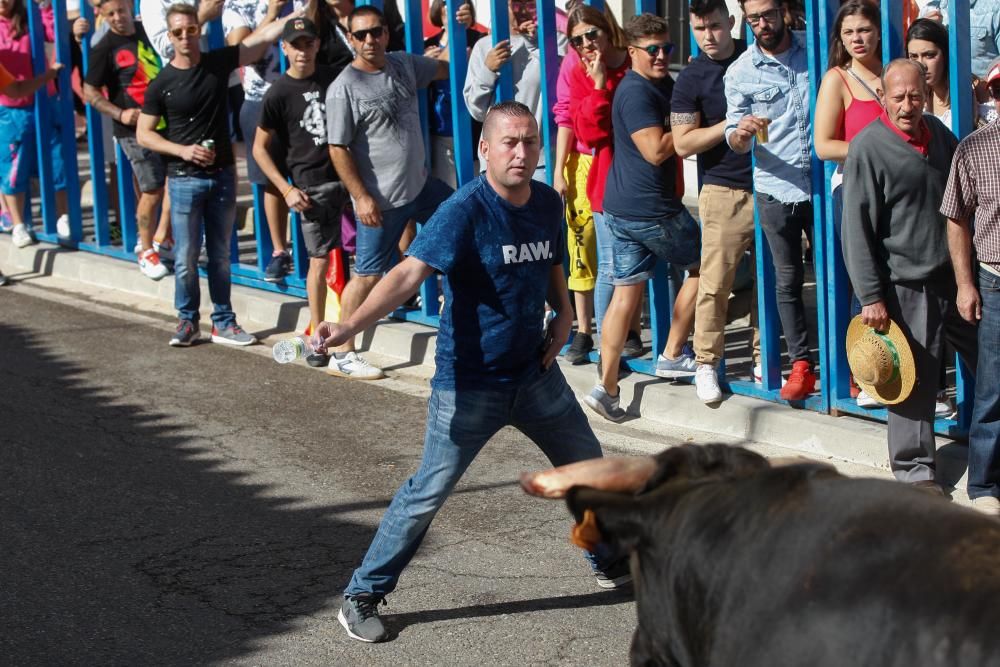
[(579, 350), (616, 575), (633, 345), (359, 616), (279, 267), (318, 360)]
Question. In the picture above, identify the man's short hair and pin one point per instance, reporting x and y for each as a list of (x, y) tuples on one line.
[(183, 9), (364, 10), (645, 25), (703, 8), (903, 62), (777, 3), (508, 109)]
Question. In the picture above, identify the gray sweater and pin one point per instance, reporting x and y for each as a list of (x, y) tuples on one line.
[(892, 231)]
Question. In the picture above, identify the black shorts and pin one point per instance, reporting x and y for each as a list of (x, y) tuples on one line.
[(321, 221)]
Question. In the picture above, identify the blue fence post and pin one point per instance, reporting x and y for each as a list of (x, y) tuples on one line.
[(42, 121), (68, 125), (549, 51), (126, 199), (499, 32), (960, 80), (95, 146), (458, 65), (892, 30)]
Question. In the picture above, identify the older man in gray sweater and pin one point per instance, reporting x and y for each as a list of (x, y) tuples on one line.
[(896, 250)]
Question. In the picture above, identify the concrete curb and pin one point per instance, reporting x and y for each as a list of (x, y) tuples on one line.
[(662, 405)]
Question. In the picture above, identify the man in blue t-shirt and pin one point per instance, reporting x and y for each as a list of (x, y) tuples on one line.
[(643, 212), (725, 203), (498, 242)]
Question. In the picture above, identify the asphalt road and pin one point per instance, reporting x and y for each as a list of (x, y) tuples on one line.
[(171, 506)]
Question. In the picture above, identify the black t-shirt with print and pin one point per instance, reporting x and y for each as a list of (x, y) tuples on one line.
[(125, 65), (194, 103), (295, 110)]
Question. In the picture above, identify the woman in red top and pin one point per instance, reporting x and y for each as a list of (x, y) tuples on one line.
[(603, 62)]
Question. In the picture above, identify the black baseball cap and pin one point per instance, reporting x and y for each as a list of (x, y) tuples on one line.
[(298, 27)]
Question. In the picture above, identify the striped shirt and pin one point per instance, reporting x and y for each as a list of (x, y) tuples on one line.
[(973, 191)]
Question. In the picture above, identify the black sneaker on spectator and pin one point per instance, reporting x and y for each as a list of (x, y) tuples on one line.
[(633, 345), (579, 350), (318, 360), (359, 616), (187, 334), (616, 575), (279, 267), (232, 335)]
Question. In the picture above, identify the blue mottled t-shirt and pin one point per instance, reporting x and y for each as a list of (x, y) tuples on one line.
[(496, 260)]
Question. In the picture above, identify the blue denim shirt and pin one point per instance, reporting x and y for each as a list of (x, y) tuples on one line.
[(984, 26), (758, 82)]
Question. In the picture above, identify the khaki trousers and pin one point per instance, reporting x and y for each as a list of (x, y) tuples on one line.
[(727, 232)]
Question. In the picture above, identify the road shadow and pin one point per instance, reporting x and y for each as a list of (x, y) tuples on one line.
[(121, 540)]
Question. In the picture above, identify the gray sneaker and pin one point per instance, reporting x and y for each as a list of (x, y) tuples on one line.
[(604, 404), (232, 335), (187, 334), (681, 367), (359, 616)]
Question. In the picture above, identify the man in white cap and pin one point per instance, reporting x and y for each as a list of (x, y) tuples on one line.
[(973, 193)]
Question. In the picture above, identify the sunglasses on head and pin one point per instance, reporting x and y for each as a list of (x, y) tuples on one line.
[(590, 35), (654, 49), (189, 30), (362, 35)]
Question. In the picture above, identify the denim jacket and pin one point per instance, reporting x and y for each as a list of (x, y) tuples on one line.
[(782, 167)]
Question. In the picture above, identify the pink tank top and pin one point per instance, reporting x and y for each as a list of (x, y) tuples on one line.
[(858, 113)]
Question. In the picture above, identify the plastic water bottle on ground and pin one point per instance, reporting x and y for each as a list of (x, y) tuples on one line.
[(291, 349)]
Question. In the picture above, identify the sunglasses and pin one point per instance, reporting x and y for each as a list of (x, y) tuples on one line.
[(524, 8), (590, 36), (654, 49), (189, 30), (771, 16), (362, 35)]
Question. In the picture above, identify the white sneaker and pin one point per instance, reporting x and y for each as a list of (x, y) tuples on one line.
[(706, 383), (987, 505), (758, 376), (150, 265), (943, 407), (21, 236), (354, 366), (864, 400), (62, 227)]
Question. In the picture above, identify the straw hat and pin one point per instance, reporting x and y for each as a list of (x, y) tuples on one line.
[(882, 363)]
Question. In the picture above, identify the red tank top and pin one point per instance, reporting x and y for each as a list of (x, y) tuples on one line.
[(858, 113)]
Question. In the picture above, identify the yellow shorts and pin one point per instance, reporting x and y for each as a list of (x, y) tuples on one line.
[(581, 241)]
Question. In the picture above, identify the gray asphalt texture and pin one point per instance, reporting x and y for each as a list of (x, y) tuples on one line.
[(207, 506)]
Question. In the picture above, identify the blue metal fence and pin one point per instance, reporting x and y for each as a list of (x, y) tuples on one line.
[(831, 279)]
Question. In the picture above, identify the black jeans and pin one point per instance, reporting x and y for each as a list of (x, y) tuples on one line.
[(783, 225)]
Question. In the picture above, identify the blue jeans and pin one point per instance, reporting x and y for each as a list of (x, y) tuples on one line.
[(984, 436), (204, 202), (459, 424), (605, 287), (638, 244), (376, 246)]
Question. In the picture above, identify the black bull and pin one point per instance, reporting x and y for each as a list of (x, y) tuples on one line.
[(737, 564)]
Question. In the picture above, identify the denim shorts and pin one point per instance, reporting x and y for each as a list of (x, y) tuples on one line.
[(376, 246), (637, 244), (147, 166), (321, 222)]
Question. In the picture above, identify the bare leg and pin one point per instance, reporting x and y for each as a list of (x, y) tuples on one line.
[(144, 212), (276, 213), (15, 207), (683, 318), (357, 290), (316, 289), (584, 310), (62, 203), (614, 331)]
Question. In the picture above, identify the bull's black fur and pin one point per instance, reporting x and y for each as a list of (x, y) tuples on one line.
[(738, 564)]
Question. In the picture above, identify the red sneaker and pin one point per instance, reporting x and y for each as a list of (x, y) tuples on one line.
[(801, 382), (855, 389)]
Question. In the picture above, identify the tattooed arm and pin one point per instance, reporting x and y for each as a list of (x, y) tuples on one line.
[(690, 138)]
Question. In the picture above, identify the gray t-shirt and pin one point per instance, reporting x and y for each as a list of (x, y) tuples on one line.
[(375, 115)]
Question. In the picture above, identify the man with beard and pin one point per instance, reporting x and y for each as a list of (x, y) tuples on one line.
[(767, 95), (498, 243)]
